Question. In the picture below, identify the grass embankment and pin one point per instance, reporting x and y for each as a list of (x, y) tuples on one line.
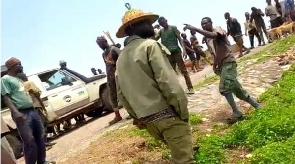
[(271, 51), (267, 135)]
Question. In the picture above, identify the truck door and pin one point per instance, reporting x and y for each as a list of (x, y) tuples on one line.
[(65, 93)]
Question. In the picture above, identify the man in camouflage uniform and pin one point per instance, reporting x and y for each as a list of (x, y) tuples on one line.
[(110, 56), (225, 66), (148, 87)]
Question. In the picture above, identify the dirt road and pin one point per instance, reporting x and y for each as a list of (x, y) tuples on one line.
[(79, 138)]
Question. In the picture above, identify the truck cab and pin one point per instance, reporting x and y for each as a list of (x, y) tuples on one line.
[(65, 94)]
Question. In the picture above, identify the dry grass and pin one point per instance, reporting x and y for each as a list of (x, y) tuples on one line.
[(118, 147)]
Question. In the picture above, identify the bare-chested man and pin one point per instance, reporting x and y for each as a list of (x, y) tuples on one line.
[(110, 56)]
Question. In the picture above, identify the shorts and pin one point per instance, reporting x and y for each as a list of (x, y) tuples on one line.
[(199, 52)]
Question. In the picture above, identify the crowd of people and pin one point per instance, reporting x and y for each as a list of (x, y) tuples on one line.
[(142, 76)]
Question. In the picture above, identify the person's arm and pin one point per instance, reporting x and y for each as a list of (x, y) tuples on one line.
[(123, 100), (37, 92), (189, 49), (5, 94), (177, 34), (115, 52), (167, 80), (246, 28), (207, 34), (266, 12)]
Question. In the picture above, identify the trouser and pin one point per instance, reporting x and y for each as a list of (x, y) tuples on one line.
[(262, 29), (31, 132), (229, 82), (192, 57), (176, 59), (253, 33), (43, 118), (240, 43), (276, 22), (176, 134), (112, 86)]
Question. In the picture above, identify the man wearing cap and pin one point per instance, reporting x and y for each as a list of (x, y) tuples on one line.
[(170, 36), (110, 55), (148, 87), (25, 116), (35, 94)]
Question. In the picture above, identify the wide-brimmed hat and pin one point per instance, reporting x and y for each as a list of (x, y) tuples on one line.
[(132, 16)]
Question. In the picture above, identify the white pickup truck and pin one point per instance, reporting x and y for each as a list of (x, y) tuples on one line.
[(65, 94)]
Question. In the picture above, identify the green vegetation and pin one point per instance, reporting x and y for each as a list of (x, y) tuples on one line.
[(269, 133), (272, 50)]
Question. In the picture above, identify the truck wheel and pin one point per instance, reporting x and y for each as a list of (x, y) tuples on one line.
[(105, 97), (16, 145)]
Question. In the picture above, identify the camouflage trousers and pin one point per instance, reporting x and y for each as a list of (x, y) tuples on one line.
[(112, 86), (229, 82), (176, 134)]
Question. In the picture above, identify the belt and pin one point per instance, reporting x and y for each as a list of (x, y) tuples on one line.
[(166, 113), (31, 108)]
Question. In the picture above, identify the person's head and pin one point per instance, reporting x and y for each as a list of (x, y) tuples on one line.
[(93, 70), (99, 71), (143, 28), (22, 76), (62, 64), (136, 22), (118, 45), (268, 2), (247, 15), (206, 24), (254, 9), (192, 39), (102, 42), (163, 22), (226, 16), (183, 35), (193, 32), (14, 66)]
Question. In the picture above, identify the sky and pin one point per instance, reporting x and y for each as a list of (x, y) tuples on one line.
[(41, 33)]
